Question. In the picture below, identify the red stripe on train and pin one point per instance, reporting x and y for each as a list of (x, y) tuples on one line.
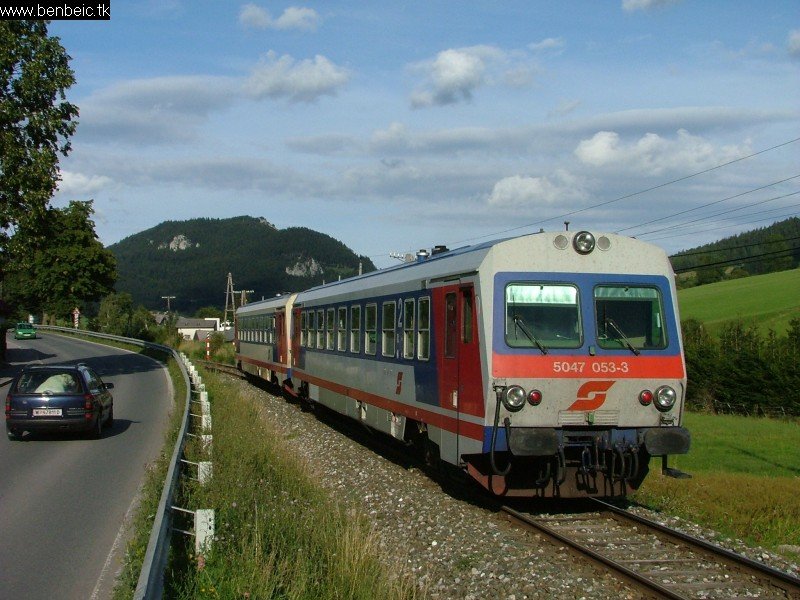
[(581, 367)]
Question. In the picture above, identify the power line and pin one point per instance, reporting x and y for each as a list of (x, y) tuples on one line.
[(626, 196), (677, 235), (726, 212), (742, 260), (728, 248), (711, 204)]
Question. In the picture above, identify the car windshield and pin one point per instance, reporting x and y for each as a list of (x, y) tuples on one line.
[(24, 326), (542, 315), (48, 382), (629, 316)]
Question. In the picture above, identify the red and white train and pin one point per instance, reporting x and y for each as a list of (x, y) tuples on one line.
[(544, 365)]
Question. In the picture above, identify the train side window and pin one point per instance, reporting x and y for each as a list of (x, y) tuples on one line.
[(355, 329), (388, 334), (424, 329), (320, 329), (370, 329), (450, 325), (341, 329), (329, 316), (408, 328), (303, 328)]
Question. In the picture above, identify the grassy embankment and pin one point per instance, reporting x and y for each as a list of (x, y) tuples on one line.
[(278, 535), (746, 479), (746, 476), (770, 301)]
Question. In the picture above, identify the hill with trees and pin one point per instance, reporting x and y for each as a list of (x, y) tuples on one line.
[(191, 259), (765, 250)]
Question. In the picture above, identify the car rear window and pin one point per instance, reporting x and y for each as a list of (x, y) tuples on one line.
[(48, 382)]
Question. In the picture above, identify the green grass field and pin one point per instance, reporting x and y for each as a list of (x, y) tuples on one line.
[(745, 479), (770, 301)]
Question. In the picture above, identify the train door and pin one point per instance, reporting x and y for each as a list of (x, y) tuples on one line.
[(280, 335), (459, 357), (296, 329)]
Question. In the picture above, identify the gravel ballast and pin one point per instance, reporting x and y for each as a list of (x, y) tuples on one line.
[(451, 547)]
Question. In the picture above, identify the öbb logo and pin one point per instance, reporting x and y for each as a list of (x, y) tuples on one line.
[(591, 395)]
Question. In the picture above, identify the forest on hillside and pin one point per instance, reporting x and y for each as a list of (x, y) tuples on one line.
[(764, 250), (191, 259)]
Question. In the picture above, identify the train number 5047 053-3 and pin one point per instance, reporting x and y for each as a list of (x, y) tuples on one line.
[(597, 368)]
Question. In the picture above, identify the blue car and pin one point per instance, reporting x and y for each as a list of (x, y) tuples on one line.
[(58, 398)]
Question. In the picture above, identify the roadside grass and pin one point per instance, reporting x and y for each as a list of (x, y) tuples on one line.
[(278, 534), (195, 350), (769, 301), (745, 479)]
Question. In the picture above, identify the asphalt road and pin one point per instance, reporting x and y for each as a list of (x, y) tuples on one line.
[(64, 500)]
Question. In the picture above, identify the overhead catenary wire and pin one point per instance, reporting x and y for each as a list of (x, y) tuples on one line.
[(739, 195), (773, 218), (726, 212), (785, 252), (628, 196)]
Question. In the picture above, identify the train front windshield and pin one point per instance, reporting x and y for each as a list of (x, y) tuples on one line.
[(543, 315), (548, 316), (629, 315)]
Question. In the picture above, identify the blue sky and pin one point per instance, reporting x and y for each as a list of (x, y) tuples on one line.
[(394, 126)]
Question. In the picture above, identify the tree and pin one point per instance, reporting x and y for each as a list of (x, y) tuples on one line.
[(60, 264), (36, 123)]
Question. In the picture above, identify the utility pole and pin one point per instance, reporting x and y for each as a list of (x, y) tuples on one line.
[(244, 296), (230, 301), (167, 298)]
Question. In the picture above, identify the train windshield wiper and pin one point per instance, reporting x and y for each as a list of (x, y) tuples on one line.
[(622, 337), (521, 324)]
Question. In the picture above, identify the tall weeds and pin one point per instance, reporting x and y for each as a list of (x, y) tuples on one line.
[(278, 535)]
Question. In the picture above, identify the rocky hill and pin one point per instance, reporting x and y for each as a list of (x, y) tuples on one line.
[(191, 261)]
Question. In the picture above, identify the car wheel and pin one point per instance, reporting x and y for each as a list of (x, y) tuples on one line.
[(13, 435), (110, 419), (97, 431)]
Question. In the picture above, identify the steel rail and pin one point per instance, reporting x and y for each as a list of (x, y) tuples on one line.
[(639, 581), (150, 584), (779, 579)]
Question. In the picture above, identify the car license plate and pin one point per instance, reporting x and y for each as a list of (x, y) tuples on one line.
[(46, 412)]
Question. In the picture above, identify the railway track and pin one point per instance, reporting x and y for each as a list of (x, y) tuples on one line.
[(661, 562), (221, 368)]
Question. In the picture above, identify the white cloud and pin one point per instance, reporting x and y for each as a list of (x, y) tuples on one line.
[(295, 17), (252, 16), (299, 81), (654, 155), (81, 185), (793, 43), (632, 5), (455, 74), (157, 110), (547, 44), (518, 191)]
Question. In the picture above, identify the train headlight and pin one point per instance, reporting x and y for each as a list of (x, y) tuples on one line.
[(665, 398), (645, 397), (514, 398), (583, 242), (535, 397)]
